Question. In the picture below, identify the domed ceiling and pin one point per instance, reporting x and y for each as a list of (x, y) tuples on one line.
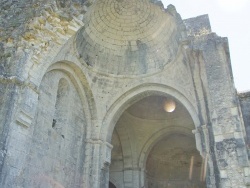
[(152, 108), (127, 37)]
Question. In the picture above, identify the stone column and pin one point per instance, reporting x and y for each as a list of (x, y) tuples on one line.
[(133, 177), (99, 159)]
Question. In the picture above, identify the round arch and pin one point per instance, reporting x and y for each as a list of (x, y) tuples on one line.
[(80, 82), (134, 95), (156, 138)]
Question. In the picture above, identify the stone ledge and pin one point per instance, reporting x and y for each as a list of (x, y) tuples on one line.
[(18, 81), (244, 94)]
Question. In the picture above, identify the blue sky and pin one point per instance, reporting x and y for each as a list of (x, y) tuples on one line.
[(228, 18)]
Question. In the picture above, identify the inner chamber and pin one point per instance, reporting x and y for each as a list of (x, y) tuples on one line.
[(154, 147)]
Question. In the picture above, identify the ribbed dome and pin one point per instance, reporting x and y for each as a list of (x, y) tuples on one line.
[(127, 37)]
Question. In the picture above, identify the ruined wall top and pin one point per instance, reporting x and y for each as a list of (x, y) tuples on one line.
[(198, 26), (119, 37)]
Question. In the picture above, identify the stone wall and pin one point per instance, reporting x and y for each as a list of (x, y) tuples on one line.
[(54, 150), (21, 22), (175, 162), (16, 15), (223, 122), (245, 108), (7, 100)]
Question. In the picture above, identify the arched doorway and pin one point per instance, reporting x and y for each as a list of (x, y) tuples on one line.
[(155, 147)]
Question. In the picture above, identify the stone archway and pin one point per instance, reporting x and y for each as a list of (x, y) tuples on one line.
[(137, 93), (175, 162), (57, 130), (136, 127)]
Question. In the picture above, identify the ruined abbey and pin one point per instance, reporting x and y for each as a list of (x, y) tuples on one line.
[(117, 94)]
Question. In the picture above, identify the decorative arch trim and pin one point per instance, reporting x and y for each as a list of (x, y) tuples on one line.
[(134, 95), (80, 82), (157, 137)]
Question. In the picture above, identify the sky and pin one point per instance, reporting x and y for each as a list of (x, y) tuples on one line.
[(228, 18)]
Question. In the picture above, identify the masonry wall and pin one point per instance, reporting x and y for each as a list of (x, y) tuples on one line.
[(224, 123), (7, 100), (245, 108), (54, 150)]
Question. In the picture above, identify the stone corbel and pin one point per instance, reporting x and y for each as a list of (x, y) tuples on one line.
[(17, 81), (28, 99), (10, 80), (24, 119), (27, 108)]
